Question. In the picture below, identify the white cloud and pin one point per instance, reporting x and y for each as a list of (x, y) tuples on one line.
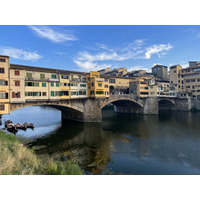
[(52, 35), (19, 53), (133, 50), (90, 66), (155, 49), (104, 47), (133, 46), (104, 56)]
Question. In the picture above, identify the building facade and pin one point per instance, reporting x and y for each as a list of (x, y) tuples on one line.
[(160, 71)]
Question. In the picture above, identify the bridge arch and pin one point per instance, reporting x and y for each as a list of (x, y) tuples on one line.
[(166, 104), (124, 105), (69, 111)]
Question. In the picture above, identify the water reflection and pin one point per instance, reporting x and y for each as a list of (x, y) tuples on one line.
[(132, 144)]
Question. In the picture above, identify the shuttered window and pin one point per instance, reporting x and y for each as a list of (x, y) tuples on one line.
[(2, 107), (17, 73), (17, 83)]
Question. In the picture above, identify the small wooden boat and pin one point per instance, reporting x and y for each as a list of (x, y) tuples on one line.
[(29, 125), (12, 128), (20, 126), (8, 122)]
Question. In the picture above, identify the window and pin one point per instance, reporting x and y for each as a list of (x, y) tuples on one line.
[(106, 86), (74, 93), (2, 60), (64, 84), (82, 85), (193, 80), (17, 73), (44, 94), (29, 75), (143, 92), (29, 84), (42, 76), (3, 82), (64, 93), (52, 93), (44, 84), (17, 83), (57, 84), (52, 84), (100, 84), (2, 107), (53, 76), (99, 92), (111, 80), (64, 77), (82, 92), (36, 84), (15, 94), (2, 70), (3, 95), (152, 93)]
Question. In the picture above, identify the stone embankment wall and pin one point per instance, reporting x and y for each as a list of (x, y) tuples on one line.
[(195, 104)]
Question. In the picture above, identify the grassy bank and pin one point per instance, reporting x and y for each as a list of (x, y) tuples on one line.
[(15, 158)]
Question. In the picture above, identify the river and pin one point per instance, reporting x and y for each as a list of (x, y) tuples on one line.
[(168, 143)]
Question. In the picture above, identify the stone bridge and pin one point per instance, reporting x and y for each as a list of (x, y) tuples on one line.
[(89, 109)]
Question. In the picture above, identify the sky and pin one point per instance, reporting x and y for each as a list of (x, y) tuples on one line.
[(94, 47)]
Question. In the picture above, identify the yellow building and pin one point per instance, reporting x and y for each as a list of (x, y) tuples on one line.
[(64, 86), (175, 78), (153, 88), (140, 87), (97, 87), (117, 85), (4, 85), (17, 89)]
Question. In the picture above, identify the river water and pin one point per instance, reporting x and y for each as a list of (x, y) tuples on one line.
[(168, 143)]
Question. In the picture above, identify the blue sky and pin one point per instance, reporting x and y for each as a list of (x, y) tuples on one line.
[(85, 48)]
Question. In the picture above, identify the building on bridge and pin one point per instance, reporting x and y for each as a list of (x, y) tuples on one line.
[(4, 85), (187, 79), (160, 71)]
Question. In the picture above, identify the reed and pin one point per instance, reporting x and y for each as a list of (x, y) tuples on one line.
[(16, 159)]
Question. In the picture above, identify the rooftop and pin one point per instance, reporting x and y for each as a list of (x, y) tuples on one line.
[(42, 69)]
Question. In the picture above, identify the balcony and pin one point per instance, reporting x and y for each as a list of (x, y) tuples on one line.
[(53, 79), (29, 79)]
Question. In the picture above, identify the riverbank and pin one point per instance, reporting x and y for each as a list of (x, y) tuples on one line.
[(16, 159)]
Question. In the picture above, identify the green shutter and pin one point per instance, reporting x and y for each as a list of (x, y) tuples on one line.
[(53, 75), (52, 93), (43, 84), (57, 84), (26, 83)]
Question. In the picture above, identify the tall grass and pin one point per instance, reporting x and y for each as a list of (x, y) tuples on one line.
[(18, 159)]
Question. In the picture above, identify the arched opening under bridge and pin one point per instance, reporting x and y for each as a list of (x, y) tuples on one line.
[(124, 106), (166, 105)]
